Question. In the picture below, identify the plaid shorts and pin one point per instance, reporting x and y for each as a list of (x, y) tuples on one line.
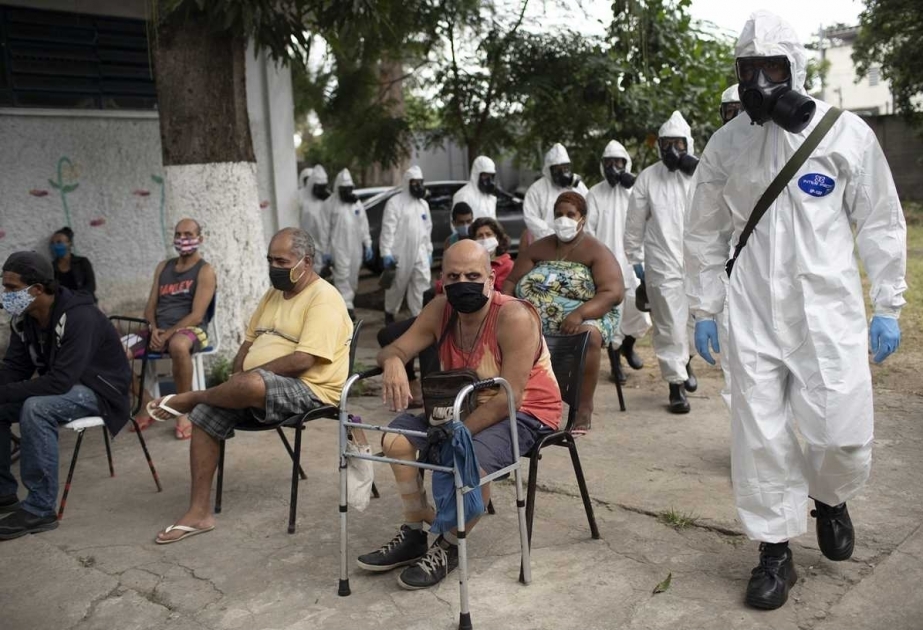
[(285, 397)]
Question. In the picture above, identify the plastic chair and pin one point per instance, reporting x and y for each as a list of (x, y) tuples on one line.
[(329, 412), (198, 363), (130, 326)]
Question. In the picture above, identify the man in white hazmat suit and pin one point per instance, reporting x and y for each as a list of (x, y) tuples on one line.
[(480, 193), (798, 336), (607, 204), (313, 220), (406, 242), (730, 104), (557, 177), (350, 243), (654, 247)]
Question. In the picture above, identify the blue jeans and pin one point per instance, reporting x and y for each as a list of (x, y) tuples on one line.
[(38, 419)]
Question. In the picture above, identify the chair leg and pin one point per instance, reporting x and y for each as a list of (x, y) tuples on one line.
[(581, 482), (220, 483), (530, 501), (288, 447), (490, 507), (618, 390), (296, 469), (70, 474), (147, 456), (375, 494), (108, 451)]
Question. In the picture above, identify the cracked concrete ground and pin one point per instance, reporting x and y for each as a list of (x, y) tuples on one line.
[(101, 569)]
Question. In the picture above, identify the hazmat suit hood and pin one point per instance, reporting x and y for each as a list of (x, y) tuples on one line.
[(318, 176), (767, 35), (304, 176), (731, 94), (615, 149), (414, 172), (343, 179), (481, 164), (556, 155), (677, 127)]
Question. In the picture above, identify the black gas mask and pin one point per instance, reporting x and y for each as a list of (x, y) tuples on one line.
[(766, 93), (675, 157), (486, 183), (562, 175), (416, 188), (320, 191), (614, 170), (346, 194)]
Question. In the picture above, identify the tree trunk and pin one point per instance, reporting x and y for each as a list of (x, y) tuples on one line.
[(209, 167)]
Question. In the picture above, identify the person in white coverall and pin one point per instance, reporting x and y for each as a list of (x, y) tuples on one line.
[(350, 243), (406, 242), (607, 204), (557, 177), (654, 247), (313, 219), (480, 193), (799, 341)]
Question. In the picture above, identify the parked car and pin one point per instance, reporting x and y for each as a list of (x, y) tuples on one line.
[(439, 196)]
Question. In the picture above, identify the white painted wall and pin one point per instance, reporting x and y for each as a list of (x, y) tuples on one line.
[(841, 89)]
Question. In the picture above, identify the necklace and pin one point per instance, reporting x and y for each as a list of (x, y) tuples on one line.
[(466, 356), (568, 252)]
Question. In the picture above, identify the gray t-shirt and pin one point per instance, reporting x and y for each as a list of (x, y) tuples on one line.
[(175, 293)]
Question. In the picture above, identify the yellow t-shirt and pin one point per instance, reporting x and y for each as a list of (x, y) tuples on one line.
[(315, 322)]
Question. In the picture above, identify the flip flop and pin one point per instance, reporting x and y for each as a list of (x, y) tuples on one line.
[(187, 532), (579, 431), (143, 424), (151, 407), (183, 433)]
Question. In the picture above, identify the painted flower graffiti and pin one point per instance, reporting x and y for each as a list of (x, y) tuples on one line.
[(65, 167)]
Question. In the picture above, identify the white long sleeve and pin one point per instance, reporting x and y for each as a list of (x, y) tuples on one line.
[(389, 224), (639, 211)]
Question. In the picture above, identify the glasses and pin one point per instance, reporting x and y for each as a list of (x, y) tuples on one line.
[(678, 143), (618, 163), (776, 69)]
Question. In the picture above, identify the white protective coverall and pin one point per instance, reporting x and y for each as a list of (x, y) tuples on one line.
[(730, 95), (314, 220), (407, 235), (538, 206), (798, 333), (607, 210), (654, 236), (349, 236), (482, 204)]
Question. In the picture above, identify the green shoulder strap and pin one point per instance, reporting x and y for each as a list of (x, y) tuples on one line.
[(783, 178)]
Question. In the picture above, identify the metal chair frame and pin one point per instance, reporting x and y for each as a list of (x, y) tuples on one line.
[(198, 364), (464, 622)]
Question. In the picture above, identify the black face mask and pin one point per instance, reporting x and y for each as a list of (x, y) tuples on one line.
[(671, 158), (417, 191), (562, 177), (346, 194), (320, 191), (281, 278), (466, 297), (616, 176), (764, 100), (626, 179), (687, 164), (487, 186)]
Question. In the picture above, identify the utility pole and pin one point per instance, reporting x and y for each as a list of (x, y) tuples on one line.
[(820, 47)]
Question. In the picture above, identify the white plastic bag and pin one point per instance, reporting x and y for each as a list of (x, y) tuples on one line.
[(360, 474)]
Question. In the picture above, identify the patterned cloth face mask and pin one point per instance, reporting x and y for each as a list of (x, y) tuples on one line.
[(185, 246), (16, 302)]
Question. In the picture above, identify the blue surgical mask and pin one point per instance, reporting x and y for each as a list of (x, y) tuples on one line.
[(462, 230), (58, 250), (16, 302)]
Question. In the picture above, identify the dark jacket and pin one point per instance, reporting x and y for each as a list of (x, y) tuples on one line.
[(82, 278), (85, 349)]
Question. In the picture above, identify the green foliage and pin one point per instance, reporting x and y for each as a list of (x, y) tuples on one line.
[(665, 585), (678, 520), (220, 371), (890, 32)]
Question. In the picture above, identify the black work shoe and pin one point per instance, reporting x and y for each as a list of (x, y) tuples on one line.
[(628, 351), (678, 402), (408, 546), (389, 318), (9, 503), (835, 534), (439, 561), (20, 523), (771, 580), (691, 383), (615, 367)]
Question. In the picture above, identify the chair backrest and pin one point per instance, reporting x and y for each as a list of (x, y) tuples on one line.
[(568, 358), (211, 327), (354, 344), (135, 331)]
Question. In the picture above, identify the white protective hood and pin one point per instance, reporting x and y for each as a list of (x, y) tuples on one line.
[(767, 35), (343, 179), (556, 155), (615, 150), (481, 164), (731, 95), (304, 175), (316, 175), (677, 127), (414, 172)]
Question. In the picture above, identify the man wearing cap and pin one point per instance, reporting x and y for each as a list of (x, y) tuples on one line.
[(80, 370)]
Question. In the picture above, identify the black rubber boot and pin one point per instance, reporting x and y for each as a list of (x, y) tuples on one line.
[(691, 383), (836, 536), (678, 402), (628, 351), (615, 366), (772, 579)]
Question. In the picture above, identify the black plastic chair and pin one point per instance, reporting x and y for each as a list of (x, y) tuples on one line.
[(328, 412), (126, 326)]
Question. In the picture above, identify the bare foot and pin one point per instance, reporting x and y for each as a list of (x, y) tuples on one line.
[(189, 520), (178, 402), (582, 422)]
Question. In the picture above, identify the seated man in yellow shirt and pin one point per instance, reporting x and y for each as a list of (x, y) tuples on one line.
[(295, 358)]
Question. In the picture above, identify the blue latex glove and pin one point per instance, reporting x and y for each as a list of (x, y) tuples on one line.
[(706, 333), (327, 259), (639, 271), (884, 337), (388, 262), (368, 254)]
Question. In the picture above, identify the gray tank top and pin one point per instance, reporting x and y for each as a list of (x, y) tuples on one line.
[(175, 292)]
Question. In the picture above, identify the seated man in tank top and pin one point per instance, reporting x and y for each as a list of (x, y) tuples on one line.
[(183, 288), (495, 335)]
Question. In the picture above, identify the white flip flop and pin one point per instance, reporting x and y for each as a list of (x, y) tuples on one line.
[(163, 405), (187, 532)]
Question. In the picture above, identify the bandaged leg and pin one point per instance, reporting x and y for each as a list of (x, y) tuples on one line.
[(409, 481)]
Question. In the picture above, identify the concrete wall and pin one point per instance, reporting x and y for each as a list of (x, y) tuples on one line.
[(901, 145), (841, 89)]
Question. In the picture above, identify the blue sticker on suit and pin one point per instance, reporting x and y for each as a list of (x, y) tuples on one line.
[(816, 185)]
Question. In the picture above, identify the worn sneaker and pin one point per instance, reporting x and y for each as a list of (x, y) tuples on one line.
[(20, 523), (408, 546), (439, 561), (9, 503), (771, 580), (836, 536)]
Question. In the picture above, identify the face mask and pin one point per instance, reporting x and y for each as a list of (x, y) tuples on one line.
[(687, 164), (16, 302), (320, 191), (487, 186), (765, 100), (671, 158), (281, 278), (185, 246), (417, 191), (563, 177), (729, 112), (566, 229), (626, 179), (462, 230), (58, 250), (466, 297), (346, 194), (490, 244)]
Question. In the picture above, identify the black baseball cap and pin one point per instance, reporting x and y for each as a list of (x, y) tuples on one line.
[(32, 267)]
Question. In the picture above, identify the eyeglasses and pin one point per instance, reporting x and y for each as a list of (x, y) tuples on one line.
[(666, 143), (776, 69)]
